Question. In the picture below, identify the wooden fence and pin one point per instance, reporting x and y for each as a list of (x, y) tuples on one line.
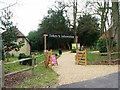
[(113, 53), (2, 75)]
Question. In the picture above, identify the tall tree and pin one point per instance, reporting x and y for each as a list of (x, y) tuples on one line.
[(102, 9), (55, 22), (35, 40), (88, 30)]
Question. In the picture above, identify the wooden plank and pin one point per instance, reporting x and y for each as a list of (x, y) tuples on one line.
[(105, 53), (19, 71), (18, 61)]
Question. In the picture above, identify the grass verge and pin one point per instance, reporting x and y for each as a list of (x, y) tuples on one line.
[(43, 77)]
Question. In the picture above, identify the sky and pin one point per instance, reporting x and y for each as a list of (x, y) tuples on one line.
[(27, 14)]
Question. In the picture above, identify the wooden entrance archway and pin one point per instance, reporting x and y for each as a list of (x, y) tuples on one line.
[(59, 36)]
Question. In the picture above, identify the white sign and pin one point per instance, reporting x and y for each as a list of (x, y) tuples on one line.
[(74, 45)]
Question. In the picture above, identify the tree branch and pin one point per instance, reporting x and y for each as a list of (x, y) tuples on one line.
[(8, 5)]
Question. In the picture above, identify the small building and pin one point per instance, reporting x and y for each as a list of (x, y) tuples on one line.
[(110, 33), (26, 48)]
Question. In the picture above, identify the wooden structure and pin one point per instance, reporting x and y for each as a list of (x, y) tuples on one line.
[(81, 57), (2, 75), (48, 59)]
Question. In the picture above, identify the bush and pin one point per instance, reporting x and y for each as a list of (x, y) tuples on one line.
[(73, 51), (101, 45), (27, 62)]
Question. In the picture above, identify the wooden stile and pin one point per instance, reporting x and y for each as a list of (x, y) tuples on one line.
[(81, 57)]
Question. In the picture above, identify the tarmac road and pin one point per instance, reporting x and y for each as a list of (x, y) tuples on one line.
[(108, 81)]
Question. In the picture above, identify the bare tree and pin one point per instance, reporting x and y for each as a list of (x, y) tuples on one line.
[(103, 9), (8, 5)]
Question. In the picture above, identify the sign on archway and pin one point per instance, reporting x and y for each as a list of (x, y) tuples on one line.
[(60, 36), (56, 36)]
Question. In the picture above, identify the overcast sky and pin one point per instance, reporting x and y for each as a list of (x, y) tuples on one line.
[(27, 14)]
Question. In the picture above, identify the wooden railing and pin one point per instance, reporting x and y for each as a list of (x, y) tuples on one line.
[(2, 75), (113, 53)]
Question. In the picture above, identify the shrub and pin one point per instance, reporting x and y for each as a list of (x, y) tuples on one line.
[(27, 62), (101, 45)]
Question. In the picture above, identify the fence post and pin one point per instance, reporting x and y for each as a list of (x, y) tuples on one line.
[(1, 75), (33, 64)]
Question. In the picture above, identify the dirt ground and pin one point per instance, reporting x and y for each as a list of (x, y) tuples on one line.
[(69, 72)]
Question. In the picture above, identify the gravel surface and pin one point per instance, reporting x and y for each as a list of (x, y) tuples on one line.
[(71, 73)]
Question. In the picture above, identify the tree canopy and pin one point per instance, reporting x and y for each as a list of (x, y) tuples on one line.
[(88, 30), (56, 23)]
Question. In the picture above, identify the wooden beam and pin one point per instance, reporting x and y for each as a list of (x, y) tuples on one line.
[(45, 35), (18, 61), (19, 71)]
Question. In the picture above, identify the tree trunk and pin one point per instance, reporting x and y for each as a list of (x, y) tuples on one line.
[(116, 22), (109, 51)]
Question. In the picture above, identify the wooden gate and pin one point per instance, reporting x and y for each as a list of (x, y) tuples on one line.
[(81, 57)]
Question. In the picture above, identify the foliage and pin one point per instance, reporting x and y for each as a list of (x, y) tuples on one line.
[(27, 62), (55, 23), (88, 32), (35, 40), (9, 35), (101, 45)]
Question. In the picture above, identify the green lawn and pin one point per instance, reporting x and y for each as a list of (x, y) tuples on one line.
[(95, 57), (13, 67), (91, 58)]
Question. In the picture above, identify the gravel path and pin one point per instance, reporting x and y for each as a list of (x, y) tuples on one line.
[(71, 73)]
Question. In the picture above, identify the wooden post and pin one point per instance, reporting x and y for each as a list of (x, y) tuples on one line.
[(46, 59), (51, 56), (45, 35), (33, 64), (76, 43), (1, 75)]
